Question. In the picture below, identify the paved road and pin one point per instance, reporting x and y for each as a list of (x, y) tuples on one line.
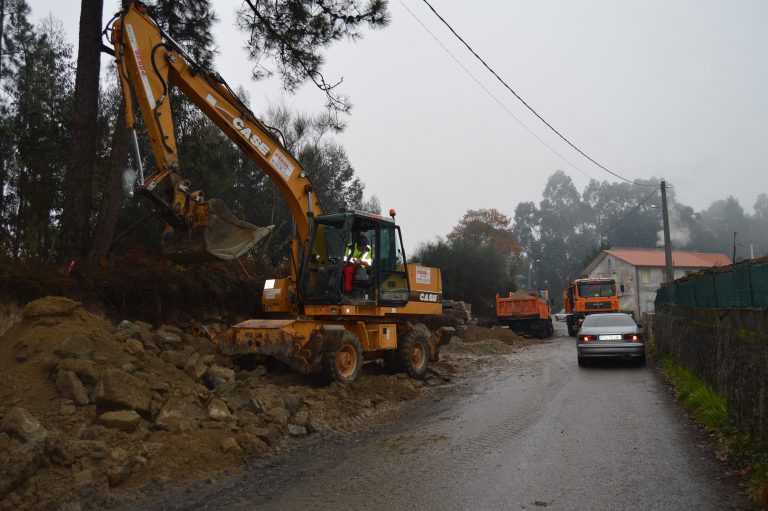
[(539, 433)]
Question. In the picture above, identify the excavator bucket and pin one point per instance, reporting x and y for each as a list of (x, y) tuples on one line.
[(225, 237)]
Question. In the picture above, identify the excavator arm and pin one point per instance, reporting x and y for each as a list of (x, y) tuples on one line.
[(150, 63)]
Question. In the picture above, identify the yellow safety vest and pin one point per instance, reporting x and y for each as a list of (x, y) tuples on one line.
[(353, 252)]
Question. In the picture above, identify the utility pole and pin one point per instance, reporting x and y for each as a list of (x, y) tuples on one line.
[(530, 271), (669, 273), (733, 259)]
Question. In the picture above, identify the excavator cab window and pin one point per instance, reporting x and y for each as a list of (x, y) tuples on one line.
[(359, 276), (393, 273), (322, 268), (357, 260)]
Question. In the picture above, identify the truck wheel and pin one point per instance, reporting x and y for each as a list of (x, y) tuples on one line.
[(343, 360), (550, 328), (571, 330), (413, 354)]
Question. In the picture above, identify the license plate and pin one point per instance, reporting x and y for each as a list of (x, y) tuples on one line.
[(609, 337)]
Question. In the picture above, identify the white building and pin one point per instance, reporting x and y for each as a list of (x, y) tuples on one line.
[(641, 271)]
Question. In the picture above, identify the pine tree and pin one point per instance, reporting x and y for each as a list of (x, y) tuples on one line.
[(38, 89), (291, 34), (76, 215)]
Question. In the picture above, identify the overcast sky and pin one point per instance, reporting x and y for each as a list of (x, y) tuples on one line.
[(675, 89)]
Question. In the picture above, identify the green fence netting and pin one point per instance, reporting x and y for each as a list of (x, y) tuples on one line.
[(739, 285)]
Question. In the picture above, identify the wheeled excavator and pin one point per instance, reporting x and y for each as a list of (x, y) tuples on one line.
[(332, 313)]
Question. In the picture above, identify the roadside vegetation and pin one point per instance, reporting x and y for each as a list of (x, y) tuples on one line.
[(710, 410)]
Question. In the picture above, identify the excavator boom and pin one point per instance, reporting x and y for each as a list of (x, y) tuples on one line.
[(150, 63)]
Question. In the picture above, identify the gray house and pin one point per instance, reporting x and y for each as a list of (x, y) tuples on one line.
[(641, 272)]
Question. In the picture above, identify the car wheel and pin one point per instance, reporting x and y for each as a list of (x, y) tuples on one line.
[(582, 362), (641, 361)]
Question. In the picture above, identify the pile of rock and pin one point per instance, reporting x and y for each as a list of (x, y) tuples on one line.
[(84, 400), (456, 313), (87, 408)]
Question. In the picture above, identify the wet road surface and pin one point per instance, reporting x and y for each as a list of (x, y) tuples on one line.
[(538, 433)]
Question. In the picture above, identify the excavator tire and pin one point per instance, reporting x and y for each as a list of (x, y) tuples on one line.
[(412, 354), (343, 359)]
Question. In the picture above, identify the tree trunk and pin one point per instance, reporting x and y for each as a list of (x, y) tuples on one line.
[(113, 189), (2, 24), (75, 217)]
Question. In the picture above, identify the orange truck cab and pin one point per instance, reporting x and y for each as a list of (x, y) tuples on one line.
[(589, 296), (526, 313)]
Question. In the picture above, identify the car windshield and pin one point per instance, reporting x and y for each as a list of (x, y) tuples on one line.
[(597, 289), (617, 320)]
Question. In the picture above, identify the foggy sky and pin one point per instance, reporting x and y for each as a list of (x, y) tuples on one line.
[(655, 88)]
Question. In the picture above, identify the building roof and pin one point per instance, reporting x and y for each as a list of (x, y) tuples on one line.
[(654, 257)]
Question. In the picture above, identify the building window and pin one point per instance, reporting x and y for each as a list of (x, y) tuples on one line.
[(645, 276)]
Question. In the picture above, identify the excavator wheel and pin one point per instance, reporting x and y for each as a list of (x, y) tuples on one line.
[(343, 360), (412, 354)]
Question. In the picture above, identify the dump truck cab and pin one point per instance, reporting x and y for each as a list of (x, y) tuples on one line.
[(589, 296), (336, 270)]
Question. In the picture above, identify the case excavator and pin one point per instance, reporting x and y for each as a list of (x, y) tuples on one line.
[(333, 312)]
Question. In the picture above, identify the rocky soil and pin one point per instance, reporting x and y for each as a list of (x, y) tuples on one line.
[(92, 413)]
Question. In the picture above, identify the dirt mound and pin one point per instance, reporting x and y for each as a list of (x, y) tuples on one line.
[(92, 413), (475, 333), (479, 347), (140, 286)]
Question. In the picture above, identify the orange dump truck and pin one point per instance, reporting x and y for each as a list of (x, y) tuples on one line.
[(583, 297), (526, 313)]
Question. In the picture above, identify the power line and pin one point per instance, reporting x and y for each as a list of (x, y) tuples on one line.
[(631, 212), (529, 107), (497, 100)]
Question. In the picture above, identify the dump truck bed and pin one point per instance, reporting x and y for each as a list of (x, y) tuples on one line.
[(519, 307)]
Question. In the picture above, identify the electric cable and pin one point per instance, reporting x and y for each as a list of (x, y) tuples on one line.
[(487, 91), (529, 107), (631, 211)]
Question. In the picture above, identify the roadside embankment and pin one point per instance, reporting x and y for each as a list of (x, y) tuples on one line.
[(728, 349)]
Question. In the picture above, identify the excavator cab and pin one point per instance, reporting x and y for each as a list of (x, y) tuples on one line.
[(354, 258)]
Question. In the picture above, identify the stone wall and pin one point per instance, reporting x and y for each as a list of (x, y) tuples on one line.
[(728, 349)]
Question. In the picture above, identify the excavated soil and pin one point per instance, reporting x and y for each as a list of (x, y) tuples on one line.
[(93, 413), (140, 285)]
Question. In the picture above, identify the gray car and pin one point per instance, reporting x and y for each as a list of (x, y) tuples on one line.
[(612, 335)]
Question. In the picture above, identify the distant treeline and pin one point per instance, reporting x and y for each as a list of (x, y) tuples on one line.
[(548, 244), (567, 229)]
